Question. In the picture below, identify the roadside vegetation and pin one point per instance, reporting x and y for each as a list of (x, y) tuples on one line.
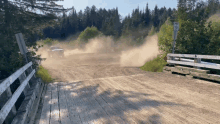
[(155, 65), (89, 33), (199, 33), (47, 42), (165, 41), (44, 74)]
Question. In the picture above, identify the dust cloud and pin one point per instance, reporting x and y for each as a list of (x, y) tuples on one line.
[(129, 55), (96, 45), (140, 55)]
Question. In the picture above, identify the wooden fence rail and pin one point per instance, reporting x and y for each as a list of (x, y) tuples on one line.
[(29, 85), (194, 56), (197, 60), (181, 59)]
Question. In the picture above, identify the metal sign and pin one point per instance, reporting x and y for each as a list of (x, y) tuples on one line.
[(176, 28), (22, 46), (21, 43)]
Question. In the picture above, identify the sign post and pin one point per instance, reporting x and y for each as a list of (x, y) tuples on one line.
[(22, 46), (176, 28)]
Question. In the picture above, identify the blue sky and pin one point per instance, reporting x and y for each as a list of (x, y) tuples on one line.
[(124, 6)]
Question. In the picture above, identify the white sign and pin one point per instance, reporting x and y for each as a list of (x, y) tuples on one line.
[(176, 28), (21, 43)]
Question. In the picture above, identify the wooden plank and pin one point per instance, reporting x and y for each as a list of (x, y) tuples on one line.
[(195, 56), (97, 113), (7, 82), (10, 103), (36, 102), (45, 114), (113, 107), (195, 64), (193, 69), (179, 70), (54, 107), (118, 105), (190, 60), (64, 110), (80, 108), (206, 76), (74, 116), (215, 77), (182, 59), (181, 55), (167, 68)]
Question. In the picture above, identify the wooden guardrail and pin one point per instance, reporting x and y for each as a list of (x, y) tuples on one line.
[(29, 86), (195, 64)]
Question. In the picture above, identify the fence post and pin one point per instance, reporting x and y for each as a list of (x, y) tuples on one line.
[(197, 60), (170, 58)]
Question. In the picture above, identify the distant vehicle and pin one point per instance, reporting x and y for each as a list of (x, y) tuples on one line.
[(55, 51)]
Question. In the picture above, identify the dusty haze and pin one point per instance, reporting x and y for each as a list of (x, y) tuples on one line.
[(140, 55), (129, 55)]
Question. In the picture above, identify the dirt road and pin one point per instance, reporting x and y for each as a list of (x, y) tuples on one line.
[(127, 94)]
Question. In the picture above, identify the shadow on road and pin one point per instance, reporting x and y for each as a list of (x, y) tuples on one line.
[(90, 104)]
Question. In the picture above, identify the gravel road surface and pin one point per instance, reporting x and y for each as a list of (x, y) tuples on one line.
[(93, 88)]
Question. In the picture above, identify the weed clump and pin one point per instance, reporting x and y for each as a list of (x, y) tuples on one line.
[(155, 65), (44, 75)]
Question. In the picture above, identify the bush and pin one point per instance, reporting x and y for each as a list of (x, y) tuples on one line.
[(214, 34), (155, 65), (48, 41), (88, 33), (165, 37), (44, 75)]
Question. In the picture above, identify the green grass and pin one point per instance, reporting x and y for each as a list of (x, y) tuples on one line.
[(155, 65), (48, 42), (44, 75), (214, 18)]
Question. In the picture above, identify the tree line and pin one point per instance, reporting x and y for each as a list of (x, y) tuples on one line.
[(109, 22), (196, 35)]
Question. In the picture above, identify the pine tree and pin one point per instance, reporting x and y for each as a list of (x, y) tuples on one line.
[(87, 17), (94, 17), (80, 21), (147, 15), (73, 21), (156, 17)]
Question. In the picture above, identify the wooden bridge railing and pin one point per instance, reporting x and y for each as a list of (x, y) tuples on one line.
[(29, 86), (196, 63)]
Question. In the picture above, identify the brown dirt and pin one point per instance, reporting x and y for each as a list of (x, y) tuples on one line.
[(147, 97)]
